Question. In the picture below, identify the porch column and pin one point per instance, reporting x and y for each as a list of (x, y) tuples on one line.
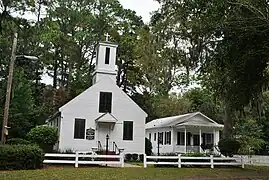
[(200, 136), (214, 140), (214, 136), (185, 140), (172, 139)]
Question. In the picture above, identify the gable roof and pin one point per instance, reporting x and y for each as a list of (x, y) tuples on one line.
[(111, 82), (182, 120), (106, 118)]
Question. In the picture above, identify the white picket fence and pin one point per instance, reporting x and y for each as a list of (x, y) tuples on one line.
[(210, 161), (258, 160), (106, 159)]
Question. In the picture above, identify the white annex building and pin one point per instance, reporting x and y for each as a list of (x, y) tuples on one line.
[(102, 112), (183, 133)]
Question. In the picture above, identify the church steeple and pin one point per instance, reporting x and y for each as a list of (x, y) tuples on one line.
[(105, 61)]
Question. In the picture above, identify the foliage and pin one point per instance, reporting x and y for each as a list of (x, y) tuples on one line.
[(194, 154), (22, 108), (148, 147), (249, 134), (207, 146), (220, 45), (135, 157), (228, 147), (128, 157), (141, 157), (17, 141), (44, 136), (203, 101), (20, 157)]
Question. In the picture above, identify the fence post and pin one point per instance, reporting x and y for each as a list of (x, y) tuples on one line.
[(76, 160), (179, 160), (122, 159), (242, 162), (145, 160), (212, 161)]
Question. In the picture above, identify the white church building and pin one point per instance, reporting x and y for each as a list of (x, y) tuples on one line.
[(102, 113), (183, 133)]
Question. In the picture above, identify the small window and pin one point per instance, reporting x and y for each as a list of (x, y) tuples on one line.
[(154, 136), (127, 130), (79, 129), (90, 133), (150, 136), (105, 101), (107, 55), (180, 138)]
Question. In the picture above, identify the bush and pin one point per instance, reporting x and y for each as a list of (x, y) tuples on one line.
[(148, 147), (16, 141), (228, 147), (43, 136), (169, 154), (194, 154), (207, 147), (128, 157), (135, 157), (20, 157), (141, 157)]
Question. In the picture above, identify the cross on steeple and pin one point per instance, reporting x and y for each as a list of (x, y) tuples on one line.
[(107, 36)]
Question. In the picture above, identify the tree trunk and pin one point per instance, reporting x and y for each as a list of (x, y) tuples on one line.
[(228, 122)]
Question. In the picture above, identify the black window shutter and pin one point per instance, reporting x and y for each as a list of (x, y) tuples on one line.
[(178, 138), (79, 129), (127, 130), (107, 55)]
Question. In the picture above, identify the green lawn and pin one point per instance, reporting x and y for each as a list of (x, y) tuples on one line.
[(249, 172)]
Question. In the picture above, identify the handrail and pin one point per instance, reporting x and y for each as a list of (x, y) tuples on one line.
[(100, 148), (115, 148)]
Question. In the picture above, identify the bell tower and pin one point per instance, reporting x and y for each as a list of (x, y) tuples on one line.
[(105, 61)]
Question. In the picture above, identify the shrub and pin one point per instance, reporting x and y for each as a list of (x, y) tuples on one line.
[(20, 157), (194, 154), (44, 136), (135, 157), (207, 147), (141, 157), (16, 141), (169, 154), (148, 147), (128, 157), (228, 146)]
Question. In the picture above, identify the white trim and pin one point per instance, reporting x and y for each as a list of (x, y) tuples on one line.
[(200, 139), (185, 140)]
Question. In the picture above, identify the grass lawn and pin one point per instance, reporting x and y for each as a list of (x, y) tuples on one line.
[(250, 172)]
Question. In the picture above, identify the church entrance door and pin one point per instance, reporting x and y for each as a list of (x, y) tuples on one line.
[(104, 130)]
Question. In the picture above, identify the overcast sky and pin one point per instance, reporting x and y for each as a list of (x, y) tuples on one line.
[(142, 7)]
